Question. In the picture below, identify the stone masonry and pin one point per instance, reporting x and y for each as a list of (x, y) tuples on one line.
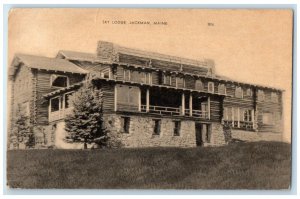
[(217, 137), (142, 127)]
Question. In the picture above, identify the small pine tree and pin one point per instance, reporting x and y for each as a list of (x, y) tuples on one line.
[(85, 123), (21, 130)]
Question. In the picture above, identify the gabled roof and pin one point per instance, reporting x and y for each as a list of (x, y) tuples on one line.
[(80, 56), (46, 63)]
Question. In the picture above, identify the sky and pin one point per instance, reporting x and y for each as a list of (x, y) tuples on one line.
[(253, 46)]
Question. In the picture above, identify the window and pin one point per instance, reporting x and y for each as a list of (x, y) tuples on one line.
[(177, 125), (248, 92), (247, 115), (238, 92), (105, 73), (199, 85), (67, 99), (125, 124), (55, 104), (277, 116), (59, 81), (274, 97), (222, 89), (180, 82), (211, 87), (147, 78), (260, 95), (167, 79), (156, 130), (126, 74), (268, 118), (225, 113)]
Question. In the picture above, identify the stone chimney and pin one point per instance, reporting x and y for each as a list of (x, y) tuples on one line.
[(106, 51), (211, 67)]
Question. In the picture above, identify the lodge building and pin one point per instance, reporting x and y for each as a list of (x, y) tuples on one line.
[(149, 99)]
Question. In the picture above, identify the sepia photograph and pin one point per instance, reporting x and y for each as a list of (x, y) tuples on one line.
[(152, 99)]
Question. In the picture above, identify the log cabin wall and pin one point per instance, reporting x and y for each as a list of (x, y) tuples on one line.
[(43, 86), (269, 112), (215, 108), (240, 106), (246, 101), (23, 92), (108, 90)]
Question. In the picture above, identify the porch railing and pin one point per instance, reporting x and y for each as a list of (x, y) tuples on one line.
[(240, 124), (197, 113), (60, 114), (164, 110)]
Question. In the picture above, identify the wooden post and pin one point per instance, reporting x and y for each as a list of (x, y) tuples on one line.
[(232, 116), (140, 99), (116, 90), (239, 117), (191, 104), (147, 100), (182, 104), (49, 111), (63, 106), (252, 117), (110, 73), (208, 107), (63, 101)]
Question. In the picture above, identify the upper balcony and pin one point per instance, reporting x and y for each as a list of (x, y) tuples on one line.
[(162, 102), (59, 107)]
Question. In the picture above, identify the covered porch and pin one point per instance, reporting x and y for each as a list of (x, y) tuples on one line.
[(59, 107), (163, 101)]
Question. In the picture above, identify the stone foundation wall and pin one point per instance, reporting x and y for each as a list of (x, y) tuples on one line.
[(142, 127), (217, 137), (141, 132)]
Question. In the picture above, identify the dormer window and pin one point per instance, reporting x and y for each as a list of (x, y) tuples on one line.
[(105, 73), (222, 89), (210, 87), (180, 82), (59, 81), (126, 74), (274, 97), (239, 92), (261, 95), (199, 85), (167, 79), (248, 92)]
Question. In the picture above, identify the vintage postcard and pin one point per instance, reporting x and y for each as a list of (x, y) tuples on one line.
[(149, 98)]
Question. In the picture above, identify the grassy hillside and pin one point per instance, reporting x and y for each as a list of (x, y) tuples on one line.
[(261, 165)]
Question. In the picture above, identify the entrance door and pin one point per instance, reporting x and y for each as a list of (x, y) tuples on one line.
[(203, 132), (198, 129)]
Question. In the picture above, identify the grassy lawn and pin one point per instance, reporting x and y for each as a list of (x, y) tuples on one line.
[(260, 165)]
